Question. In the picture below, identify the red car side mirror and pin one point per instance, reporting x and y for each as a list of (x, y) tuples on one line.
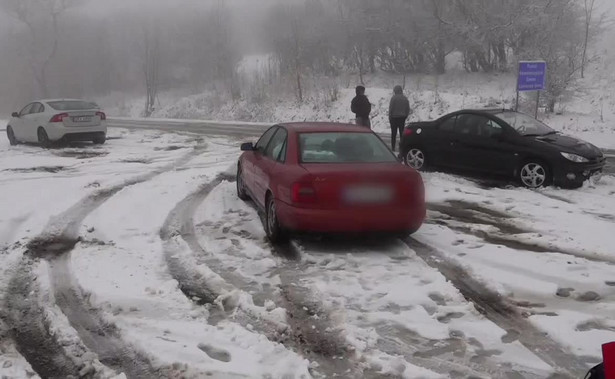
[(248, 146)]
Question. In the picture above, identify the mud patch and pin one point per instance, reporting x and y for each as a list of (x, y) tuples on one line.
[(215, 353), (589, 296), (136, 160), (564, 292), (47, 169), (50, 247), (81, 154), (445, 319), (312, 330), (170, 148), (472, 213)]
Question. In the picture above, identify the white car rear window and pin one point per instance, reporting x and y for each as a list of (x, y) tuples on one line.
[(72, 105)]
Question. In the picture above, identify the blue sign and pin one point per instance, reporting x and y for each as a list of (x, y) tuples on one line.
[(532, 76)]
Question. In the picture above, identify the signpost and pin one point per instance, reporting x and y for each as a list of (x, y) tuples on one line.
[(532, 76)]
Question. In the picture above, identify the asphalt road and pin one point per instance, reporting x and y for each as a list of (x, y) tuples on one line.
[(247, 130)]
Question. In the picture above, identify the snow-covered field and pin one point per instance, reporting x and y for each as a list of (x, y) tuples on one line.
[(136, 257)]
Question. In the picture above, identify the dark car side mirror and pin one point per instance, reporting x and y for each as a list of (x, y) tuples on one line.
[(248, 146), (15, 114)]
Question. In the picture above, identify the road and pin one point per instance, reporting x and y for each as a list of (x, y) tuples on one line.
[(248, 130)]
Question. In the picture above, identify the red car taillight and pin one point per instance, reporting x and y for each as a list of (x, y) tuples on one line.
[(407, 132), (303, 193), (59, 117), (102, 116)]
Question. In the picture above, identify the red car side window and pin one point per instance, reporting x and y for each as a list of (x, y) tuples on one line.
[(262, 143), (276, 145)]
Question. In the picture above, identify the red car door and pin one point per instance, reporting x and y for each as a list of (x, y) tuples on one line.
[(266, 165), (254, 164)]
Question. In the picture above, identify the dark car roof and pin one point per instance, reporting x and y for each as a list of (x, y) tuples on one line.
[(324, 127), (487, 110)]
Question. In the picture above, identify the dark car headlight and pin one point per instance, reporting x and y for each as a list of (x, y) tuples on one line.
[(575, 158)]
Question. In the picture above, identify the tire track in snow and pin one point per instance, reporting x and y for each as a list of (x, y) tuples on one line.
[(30, 329), (96, 333), (27, 319), (460, 215), (449, 357), (495, 308), (455, 356), (179, 225), (311, 332)]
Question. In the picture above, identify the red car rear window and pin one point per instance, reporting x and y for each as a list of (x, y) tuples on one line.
[(343, 148)]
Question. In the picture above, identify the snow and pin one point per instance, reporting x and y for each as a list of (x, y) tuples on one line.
[(145, 302), (364, 289), (68, 174), (573, 230), (547, 251)]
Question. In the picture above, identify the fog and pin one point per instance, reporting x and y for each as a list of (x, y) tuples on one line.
[(88, 48)]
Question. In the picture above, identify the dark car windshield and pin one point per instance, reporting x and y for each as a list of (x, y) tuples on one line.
[(525, 125), (343, 148), (72, 105)]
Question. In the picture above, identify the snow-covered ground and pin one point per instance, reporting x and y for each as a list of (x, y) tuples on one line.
[(147, 264)]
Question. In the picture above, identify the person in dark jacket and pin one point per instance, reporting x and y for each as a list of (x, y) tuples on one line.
[(399, 110), (361, 107)]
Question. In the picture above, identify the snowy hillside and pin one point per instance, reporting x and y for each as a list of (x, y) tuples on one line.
[(589, 113)]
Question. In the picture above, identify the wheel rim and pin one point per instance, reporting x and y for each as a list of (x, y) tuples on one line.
[(415, 158), (533, 175), (271, 218)]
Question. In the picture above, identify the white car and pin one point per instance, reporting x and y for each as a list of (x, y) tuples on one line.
[(47, 121)]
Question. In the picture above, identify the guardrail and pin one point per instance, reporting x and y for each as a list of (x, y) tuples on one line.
[(222, 127)]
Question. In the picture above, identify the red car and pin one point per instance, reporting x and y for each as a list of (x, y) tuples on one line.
[(329, 178)]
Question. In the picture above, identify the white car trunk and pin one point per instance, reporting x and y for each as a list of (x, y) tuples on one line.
[(82, 118)]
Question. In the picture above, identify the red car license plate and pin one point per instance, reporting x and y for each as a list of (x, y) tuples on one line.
[(82, 119), (368, 194)]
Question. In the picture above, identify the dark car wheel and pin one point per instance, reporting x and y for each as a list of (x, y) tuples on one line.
[(11, 136), (274, 231), (43, 138), (534, 174), (415, 158), (241, 187)]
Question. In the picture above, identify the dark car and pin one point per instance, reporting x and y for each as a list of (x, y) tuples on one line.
[(329, 178), (503, 143)]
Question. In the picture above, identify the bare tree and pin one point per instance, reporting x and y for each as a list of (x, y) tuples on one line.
[(41, 18), (151, 67), (589, 12)]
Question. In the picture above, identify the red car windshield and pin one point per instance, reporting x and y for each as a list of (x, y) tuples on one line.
[(343, 148)]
